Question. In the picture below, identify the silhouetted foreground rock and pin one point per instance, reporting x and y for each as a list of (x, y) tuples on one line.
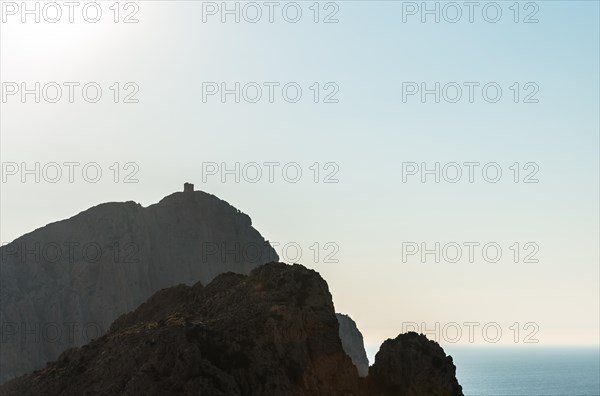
[(272, 333), (65, 283), (412, 365), (353, 343)]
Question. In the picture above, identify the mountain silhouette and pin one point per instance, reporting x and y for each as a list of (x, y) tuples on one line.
[(271, 333), (64, 284)]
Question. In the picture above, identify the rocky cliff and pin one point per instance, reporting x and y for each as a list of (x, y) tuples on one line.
[(412, 365), (353, 343), (273, 332), (65, 283)]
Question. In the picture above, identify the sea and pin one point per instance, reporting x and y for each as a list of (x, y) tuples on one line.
[(525, 370)]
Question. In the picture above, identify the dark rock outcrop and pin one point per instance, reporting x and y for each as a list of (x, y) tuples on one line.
[(353, 344), (272, 333), (65, 283), (412, 365)]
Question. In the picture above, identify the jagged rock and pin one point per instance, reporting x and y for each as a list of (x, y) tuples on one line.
[(63, 284), (412, 365), (353, 344), (272, 333)]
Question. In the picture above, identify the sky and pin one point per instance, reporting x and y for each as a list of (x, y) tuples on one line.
[(362, 106)]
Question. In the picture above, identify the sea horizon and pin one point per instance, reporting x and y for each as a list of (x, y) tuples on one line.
[(524, 370)]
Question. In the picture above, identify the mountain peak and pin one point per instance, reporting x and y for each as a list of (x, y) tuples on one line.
[(108, 259)]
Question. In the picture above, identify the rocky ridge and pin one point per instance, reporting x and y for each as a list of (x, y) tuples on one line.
[(273, 332), (65, 283)]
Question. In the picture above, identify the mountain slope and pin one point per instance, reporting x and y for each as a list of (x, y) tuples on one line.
[(63, 284), (353, 343), (271, 333)]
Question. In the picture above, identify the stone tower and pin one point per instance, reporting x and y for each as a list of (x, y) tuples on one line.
[(188, 187)]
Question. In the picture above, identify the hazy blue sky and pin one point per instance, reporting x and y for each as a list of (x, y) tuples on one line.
[(368, 56)]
